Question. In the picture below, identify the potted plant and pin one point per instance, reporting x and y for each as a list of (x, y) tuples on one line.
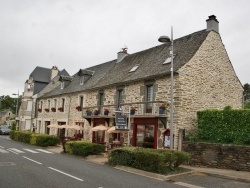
[(79, 108), (96, 112), (60, 109), (106, 111), (132, 110), (162, 109), (88, 112), (46, 110), (53, 109)]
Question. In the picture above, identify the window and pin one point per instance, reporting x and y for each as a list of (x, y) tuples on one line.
[(168, 60), (81, 102), (62, 85), (41, 105), (29, 106), (119, 99), (81, 80), (101, 99), (149, 98), (48, 104), (62, 105), (55, 103), (134, 68)]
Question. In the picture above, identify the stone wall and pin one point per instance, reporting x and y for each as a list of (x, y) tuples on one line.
[(223, 156)]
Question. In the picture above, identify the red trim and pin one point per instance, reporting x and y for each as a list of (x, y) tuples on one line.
[(146, 121)]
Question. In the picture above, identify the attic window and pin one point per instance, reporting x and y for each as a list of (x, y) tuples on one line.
[(62, 84), (168, 60), (134, 68), (81, 80)]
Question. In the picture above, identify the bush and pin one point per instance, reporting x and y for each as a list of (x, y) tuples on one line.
[(34, 138), (159, 161), (83, 148), (44, 140), (121, 156)]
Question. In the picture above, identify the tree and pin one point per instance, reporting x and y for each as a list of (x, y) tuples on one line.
[(6, 102), (246, 91), (246, 94)]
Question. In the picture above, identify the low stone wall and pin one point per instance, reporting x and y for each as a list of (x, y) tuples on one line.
[(223, 156)]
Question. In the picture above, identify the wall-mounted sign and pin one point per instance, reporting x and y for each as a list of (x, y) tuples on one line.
[(121, 122)]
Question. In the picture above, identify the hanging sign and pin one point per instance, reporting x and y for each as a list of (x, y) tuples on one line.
[(121, 122)]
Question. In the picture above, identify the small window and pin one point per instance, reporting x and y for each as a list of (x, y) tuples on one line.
[(134, 68), (168, 60), (62, 85), (81, 80)]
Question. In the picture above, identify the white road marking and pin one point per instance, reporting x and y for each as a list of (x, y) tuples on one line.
[(1, 147), (45, 151), (12, 151), (187, 185), (16, 150), (32, 160), (65, 174), (3, 151), (29, 150)]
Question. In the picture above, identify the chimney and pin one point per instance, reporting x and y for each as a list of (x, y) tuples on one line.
[(120, 55), (54, 72), (212, 23)]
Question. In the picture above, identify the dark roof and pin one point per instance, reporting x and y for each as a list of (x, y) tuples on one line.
[(41, 77), (150, 63)]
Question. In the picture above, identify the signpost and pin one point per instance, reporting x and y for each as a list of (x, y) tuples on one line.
[(122, 123)]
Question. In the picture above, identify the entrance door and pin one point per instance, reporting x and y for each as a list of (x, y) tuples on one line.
[(98, 136), (145, 133), (46, 127), (145, 136)]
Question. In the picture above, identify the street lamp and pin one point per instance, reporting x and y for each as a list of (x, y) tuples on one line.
[(165, 39), (16, 106)]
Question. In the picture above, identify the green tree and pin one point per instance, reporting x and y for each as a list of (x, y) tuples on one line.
[(6, 102), (246, 94)]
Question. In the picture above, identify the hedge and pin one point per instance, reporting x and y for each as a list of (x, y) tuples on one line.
[(152, 160), (224, 126), (34, 138), (83, 148)]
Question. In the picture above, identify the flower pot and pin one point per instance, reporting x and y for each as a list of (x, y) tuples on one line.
[(106, 113), (132, 112), (88, 113), (161, 111), (96, 113)]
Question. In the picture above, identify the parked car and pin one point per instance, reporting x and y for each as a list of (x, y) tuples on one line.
[(4, 130)]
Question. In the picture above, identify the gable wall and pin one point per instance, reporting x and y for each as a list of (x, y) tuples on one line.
[(207, 81)]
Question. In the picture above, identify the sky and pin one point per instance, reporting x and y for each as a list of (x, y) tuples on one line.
[(77, 34)]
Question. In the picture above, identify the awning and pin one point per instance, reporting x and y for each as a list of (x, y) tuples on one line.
[(99, 128), (64, 126), (113, 130), (76, 127), (53, 126)]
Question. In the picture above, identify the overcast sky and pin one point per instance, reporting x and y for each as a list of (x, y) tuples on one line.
[(74, 34)]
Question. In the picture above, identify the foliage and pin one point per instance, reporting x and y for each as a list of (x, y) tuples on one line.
[(6, 102), (247, 104), (224, 126), (34, 138), (44, 140), (83, 148), (160, 161), (246, 91)]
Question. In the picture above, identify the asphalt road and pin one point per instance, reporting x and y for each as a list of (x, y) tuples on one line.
[(24, 165)]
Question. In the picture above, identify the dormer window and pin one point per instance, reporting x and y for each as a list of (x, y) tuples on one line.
[(81, 80), (62, 85), (134, 68)]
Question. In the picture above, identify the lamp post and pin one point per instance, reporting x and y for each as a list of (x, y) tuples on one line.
[(166, 39), (16, 107)]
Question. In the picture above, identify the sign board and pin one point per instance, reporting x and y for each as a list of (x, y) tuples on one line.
[(121, 122)]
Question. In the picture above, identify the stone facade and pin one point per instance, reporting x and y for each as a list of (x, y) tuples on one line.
[(207, 80), (218, 155)]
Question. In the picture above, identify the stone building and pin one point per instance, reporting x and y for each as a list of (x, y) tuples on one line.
[(38, 79), (203, 78)]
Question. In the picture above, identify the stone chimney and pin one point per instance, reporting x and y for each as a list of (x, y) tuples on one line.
[(54, 72), (120, 55), (212, 23)]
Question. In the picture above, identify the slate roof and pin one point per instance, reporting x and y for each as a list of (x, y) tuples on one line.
[(150, 63), (41, 77)]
